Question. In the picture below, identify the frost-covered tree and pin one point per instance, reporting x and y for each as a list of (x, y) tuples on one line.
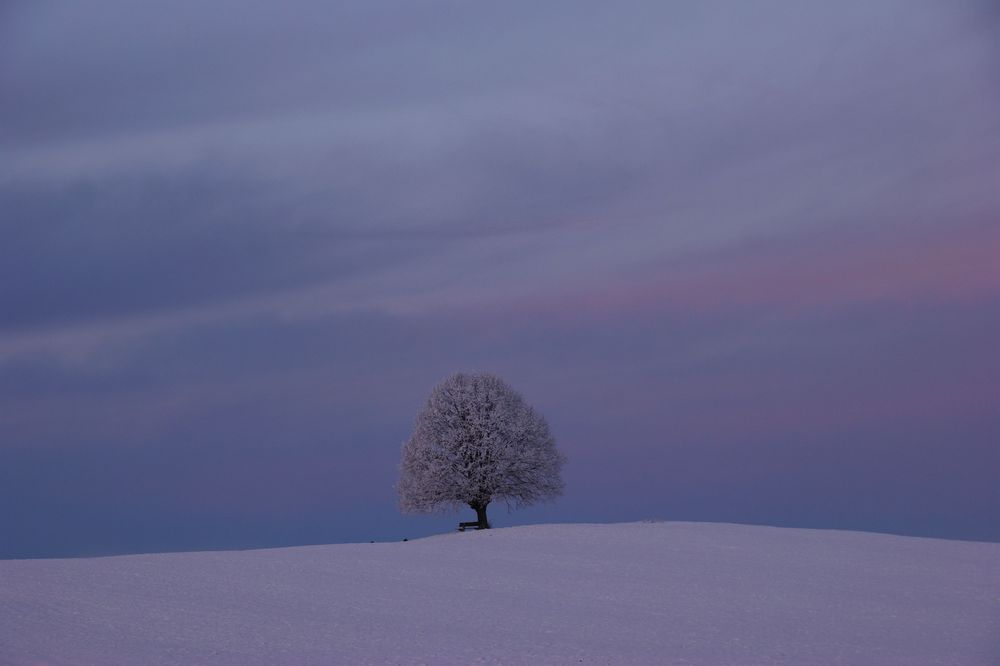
[(476, 441)]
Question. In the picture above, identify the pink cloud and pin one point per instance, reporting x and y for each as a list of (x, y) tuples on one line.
[(807, 272)]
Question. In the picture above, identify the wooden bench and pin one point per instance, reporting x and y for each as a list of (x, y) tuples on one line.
[(471, 525)]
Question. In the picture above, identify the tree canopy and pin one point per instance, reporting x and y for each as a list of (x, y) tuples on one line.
[(477, 441)]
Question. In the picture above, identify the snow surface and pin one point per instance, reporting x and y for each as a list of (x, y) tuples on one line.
[(661, 593)]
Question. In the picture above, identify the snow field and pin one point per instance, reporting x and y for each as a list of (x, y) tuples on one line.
[(636, 593)]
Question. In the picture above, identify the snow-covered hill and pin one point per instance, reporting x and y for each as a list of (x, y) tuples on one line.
[(660, 593)]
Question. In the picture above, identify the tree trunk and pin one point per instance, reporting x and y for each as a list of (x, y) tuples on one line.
[(480, 509)]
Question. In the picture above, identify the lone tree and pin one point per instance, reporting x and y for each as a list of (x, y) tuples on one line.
[(476, 441)]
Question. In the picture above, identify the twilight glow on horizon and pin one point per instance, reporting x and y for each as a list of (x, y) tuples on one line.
[(744, 257)]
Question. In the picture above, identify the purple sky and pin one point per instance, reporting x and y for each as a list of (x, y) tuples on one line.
[(745, 257)]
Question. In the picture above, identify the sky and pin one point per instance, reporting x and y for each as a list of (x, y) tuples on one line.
[(742, 256)]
